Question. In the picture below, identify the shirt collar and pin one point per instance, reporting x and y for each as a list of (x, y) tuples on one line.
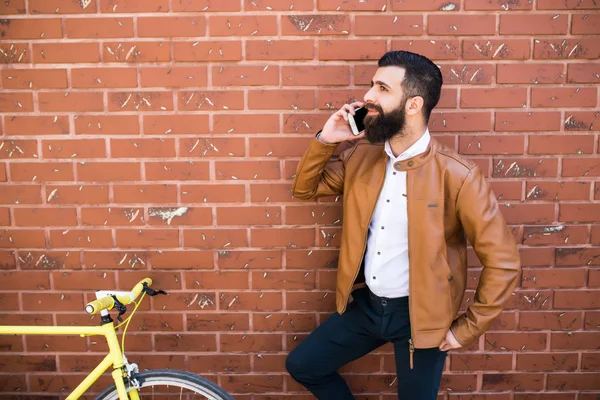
[(420, 146)]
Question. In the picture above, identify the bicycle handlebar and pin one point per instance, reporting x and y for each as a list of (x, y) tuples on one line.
[(107, 302)]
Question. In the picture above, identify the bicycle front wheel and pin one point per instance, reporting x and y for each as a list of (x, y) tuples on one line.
[(168, 384)]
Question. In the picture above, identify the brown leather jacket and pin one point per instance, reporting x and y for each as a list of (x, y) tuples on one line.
[(449, 201)]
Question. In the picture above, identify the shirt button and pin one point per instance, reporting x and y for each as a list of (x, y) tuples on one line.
[(374, 277), (383, 227), (410, 163), (394, 172), (388, 200), (378, 253)]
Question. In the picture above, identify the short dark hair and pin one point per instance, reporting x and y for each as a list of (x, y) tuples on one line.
[(422, 78)]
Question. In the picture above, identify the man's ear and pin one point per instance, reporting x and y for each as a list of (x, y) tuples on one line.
[(414, 105)]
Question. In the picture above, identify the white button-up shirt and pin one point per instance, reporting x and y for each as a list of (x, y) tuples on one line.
[(386, 257)]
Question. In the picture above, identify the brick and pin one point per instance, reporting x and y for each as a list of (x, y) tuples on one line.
[(16, 102), (427, 5), (175, 124), (493, 98), (14, 7), (55, 53), (248, 75), (513, 381), (281, 5), (575, 340), (81, 238), (563, 97), (106, 125), (217, 280), (555, 235), (132, 6), (108, 171), (221, 193), (432, 49), (492, 5), (255, 259), (454, 25), (333, 99), (291, 280), (567, 5), (71, 101), (509, 49), (236, 363), (309, 301), (582, 121), (480, 362), (3, 172), (279, 49), (14, 53), (82, 280), (239, 26), (151, 193), (207, 51), (530, 73), (248, 170), (34, 79), (582, 73), (530, 299), (24, 280), (559, 144), (254, 383), (177, 171), (174, 77), (576, 299), (37, 363), (557, 191), (384, 25), (91, 148), (181, 259), (166, 280), (70, 194), (136, 52), (508, 167), (175, 342), (346, 49), (58, 7), (267, 99), (595, 236), (532, 121), (528, 213), (32, 28), (142, 148), (89, 78), (106, 260), (84, 28), (49, 260), (21, 194), (286, 322), (352, 5), (547, 362), (540, 24), (16, 149), (271, 192), (469, 144), (585, 24), (554, 278), (41, 172), (161, 27), (585, 48), (507, 190), (211, 100), (578, 256), (207, 5), (45, 217), (148, 238), (215, 239), (26, 125), (298, 237), (571, 381), (315, 24), (22, 238), (542, 320), (140, 101), (192, 216), (303, 123), (468, 74), (244, 123), (218, 322), (590, 362)]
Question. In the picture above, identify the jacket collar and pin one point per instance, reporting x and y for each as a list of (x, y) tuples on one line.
[(416, 159)]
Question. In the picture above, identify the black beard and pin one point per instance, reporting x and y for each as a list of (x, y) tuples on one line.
[(382, 127)]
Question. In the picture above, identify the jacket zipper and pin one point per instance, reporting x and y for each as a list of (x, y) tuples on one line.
[(366, 237), (410, 280)]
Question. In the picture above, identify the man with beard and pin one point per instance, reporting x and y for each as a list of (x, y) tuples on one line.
[(410, 204)]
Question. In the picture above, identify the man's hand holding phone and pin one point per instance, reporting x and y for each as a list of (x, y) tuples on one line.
[(337, 128)]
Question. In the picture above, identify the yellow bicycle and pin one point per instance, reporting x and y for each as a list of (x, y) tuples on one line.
[(130, 383)]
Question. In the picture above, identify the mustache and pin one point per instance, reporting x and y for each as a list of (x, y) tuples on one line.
[(370, 106)]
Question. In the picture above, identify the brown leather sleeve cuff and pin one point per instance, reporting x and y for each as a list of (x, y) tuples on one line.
[(460, 330)]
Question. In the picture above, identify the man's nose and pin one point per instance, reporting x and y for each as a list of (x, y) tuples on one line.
[(369, 98)]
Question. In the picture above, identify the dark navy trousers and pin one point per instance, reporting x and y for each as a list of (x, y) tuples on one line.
[(368, 323)]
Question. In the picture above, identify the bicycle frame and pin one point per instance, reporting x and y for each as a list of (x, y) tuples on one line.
[(114, 356)]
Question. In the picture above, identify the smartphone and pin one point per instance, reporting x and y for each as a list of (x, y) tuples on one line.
[(357, 121)]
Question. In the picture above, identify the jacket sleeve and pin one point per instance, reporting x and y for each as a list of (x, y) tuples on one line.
[(495, 246), (316, 176)]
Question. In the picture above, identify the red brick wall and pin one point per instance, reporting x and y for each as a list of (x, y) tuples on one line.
[(114, 115)]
